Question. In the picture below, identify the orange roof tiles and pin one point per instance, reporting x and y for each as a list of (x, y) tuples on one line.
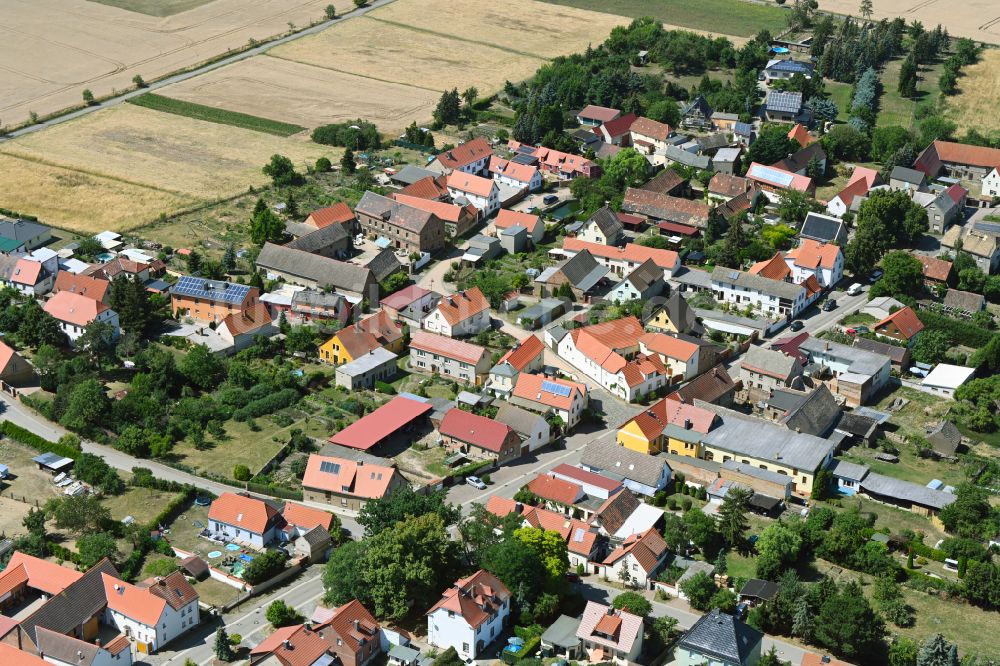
[(173, 588), (728, 185), (372, 428), (632, 252), (381, 325), (476, 430), (448, 347), (669, 346), (248, 513), (356, 342), (475, 598), (555, 490), (522, 173), (11, 656), (26, 272), (462, 305), (669, 411), (906, 321), (306, 517), (466, 153), (524, 353), (961, 153), (84, 285), (338, 213), (507, 218), (133, 602), (41, 574), (74, 308), (774, 268), (348, 477), (430, 187), (647, 548), (813, 254), (651, 128), (245, 321), (800, 134), (934, 268), (529, 387), (446, 211), (353, 625), (811, 285), (600, 113), (467, 183)]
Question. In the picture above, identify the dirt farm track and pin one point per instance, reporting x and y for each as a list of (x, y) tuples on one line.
[(976, 19), (54, 49)]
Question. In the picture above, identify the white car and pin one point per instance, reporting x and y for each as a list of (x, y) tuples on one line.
[(475, 482), (854, 289)]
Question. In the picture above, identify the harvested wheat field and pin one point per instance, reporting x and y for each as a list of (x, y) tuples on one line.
[(387, 52), (306, 95), (522, 26), (54, 49), (81, 202), (162, 150), (974, 107), (976, 19)]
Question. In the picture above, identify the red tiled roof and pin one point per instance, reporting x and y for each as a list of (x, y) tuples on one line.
[(619, 125), (647, 548), (429, 187), (669, 346), (800, 134), (476, 430), (708, 386), (507, 218), (356, 342), (466, 182), (446, 211), (348, 477), (582, 476), (405, 296), (906, 321), (600, 113), (84, 285), (249, 320), (956, 193), (26, 272), (447, 347), (522, 173), (353, 625), (728, 185), (476, 598), (774, 268), (462, 305), (961, 153), (134, 602), (338, 213), (864, 174), (371, 429), (380, 325), (670, 411), (466, 153), (293, 646), (248, 513), (40, 574), (526, 351), (632, 252), (813, 254), (306, 517), (529, 387), (857, 188), (934, 268), (11, 656), (651, 128), (811, 285), (795, 182), (677, 228), (73, 308), (555, 490)]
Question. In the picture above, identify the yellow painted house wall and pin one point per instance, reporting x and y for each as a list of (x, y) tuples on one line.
[(802, 479), (631, 437), (395, 347), (677, 447), (662, 322), (333, 352)]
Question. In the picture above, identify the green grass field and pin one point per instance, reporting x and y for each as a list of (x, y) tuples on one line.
[(154, 7), (213, 115), (727, 17), (897, 110), (840, 94)]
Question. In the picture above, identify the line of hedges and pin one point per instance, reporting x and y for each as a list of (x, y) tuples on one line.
[(471, 468), (923, 582), (529, 648), (923, 550), (40, 444)]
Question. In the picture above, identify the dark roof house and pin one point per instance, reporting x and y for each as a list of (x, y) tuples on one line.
[(718, 636)]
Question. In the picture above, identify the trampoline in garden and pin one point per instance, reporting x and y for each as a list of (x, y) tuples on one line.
[(215, 554), (246, 558), (232, 547)]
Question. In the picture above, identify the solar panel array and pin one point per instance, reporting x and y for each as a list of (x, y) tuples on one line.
[(556, 389), (210, 289), (791, 66), (781, 178), (988, 227), (331, 467), (789, 102)]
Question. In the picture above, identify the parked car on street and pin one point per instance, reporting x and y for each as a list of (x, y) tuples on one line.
[(831, 304), (476, 482), (796, 325)]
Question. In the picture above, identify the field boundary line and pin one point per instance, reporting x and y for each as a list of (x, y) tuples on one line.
[(446, 35), (360, 76), (219, 116), (97, 174)]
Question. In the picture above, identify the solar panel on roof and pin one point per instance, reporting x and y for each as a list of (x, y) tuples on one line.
[(781, 178), (783, 101), (556, 389), (331, 467), (210, 289), (988, 227), (735, 275)]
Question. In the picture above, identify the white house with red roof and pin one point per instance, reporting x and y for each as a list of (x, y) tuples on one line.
[(347, 635), (991, 183), (565, 166), (31, 278), (479, 437), (610, 635), (649, 136), (616, 132), (349, 484), (483, 193), (609, 354), (527, 355), (437, 354), (637, 560), (862, 180), (243, 519), (153, 612), (680, 356), (625, 260), (583, 542), (545, 395), (515, 174), (461, 314), (506, 219), (824, 261), (470, 615), (469, 157), (76, 312), (594, 115)]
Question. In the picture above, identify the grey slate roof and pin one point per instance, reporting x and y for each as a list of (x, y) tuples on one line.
[(562, 632), (758, 473), (65, 648), (317, 535), (717, 634), (894, 352), (770, 361), (607, 222), (321, 270), (394, 212), (411, 174), (320, 239), (823, 228), (699, 103), (848, 470), (521, 420), (645, 275), (76, 604), (680, 313), (800, 159), (309, 299), (618, 461), (905, 491), (21, 230), (785, 400), (373, 359), (907, 175), (745, 435), (861, 362), (712, 141), (945, 438), (759, 589), (763, 285), (583, 271), (816, 415), (677, 154), (857, 424), (384, 264)]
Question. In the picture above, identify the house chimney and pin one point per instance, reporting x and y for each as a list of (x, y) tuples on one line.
[(287, 644), (97, 642), (357, 625), (687, 424), (826, 346)]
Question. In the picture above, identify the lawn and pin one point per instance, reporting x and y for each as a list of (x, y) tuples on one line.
[(740, 566), (895, 519), (253, 449), (158, 8), (143, 504), (910, 467), (214, 115), (922, 409), (183, 532), (840, 94), (729, 17), (858, 319), (897, 110)]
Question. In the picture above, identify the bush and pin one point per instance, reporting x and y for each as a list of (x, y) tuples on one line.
[(383, 387), (686, 503), (280, 614), (357, 134), (161, 567), (40, 444), (267, 405), (264, 567), (242, 473)]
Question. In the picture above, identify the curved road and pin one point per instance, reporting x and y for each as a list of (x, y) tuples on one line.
[(184, 76)]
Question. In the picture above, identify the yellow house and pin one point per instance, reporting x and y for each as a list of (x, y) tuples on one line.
[(346, 345), (669, 425), (674, 316)]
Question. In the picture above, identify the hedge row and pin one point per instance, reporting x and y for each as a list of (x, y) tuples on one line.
[(959, 332), (923, 550), (924, 582), (471, 468), (268, 405), (40, 444), (529, 648)]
